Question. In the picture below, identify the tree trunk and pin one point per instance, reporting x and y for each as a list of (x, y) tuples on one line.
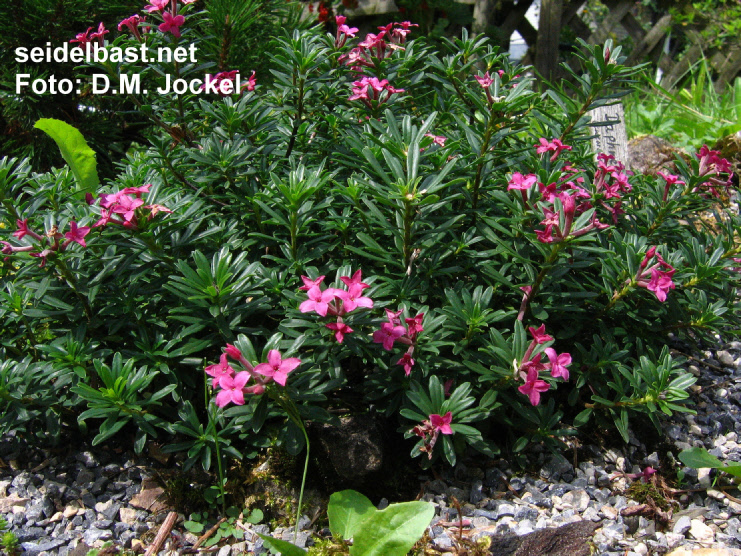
[(549, 32)]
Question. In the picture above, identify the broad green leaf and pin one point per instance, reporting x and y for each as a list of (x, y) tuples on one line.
[(283, 547), (348, 509), (393, 531), (699, 457), (75, 151)]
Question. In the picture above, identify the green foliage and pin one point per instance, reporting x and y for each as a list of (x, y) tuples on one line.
[(392, 531), (700, 457), (208, 234), (689, 117), (75, 151)]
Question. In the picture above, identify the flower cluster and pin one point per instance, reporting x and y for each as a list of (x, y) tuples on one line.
[(87, 37), (371, 90), (216, 80), (711, 168), (532, 364), (232, 385), (611, 183), (45, 245), (393, 331), (125, 207), (555, 146), (670, 180), (343, 31), (367, 53), (657, 277), (431, 428), (334, 301)]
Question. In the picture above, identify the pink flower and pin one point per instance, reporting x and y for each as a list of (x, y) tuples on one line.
[(442, 423), (437, 139), (309, 283), (533, 387), (558, 363), (127, 206), (670, 179), (157, 5), (355, 280), (661, 282), (318, 300), (77, 234), (340, 19), (388, 334), (407, 362), (172, 23), (539, 335), (545, 236), (393, 317), (99, 33), (345, 30), (22, 230), (82, 38), (555, 146), (219, 370), (133, 24), (353, 298), (520, 182), (484, 80), (414, 325), (251, 83), (232, 389), (277, 368), (233, 352), (340, 329)]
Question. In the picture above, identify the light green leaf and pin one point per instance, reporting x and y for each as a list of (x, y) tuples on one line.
[(348, 509), (75, 151), (393, 531), (283, 547)]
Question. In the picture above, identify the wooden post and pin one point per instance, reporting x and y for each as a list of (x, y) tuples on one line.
[(549, 34), (482, 12)]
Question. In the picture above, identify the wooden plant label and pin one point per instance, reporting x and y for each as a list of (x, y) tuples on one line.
[(611, 137)]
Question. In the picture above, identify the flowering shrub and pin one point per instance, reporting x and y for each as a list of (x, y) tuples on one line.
[(515, 276)]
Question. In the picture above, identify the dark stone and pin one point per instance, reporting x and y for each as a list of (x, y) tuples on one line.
[(568, 540), (351, 451), (29, 534)]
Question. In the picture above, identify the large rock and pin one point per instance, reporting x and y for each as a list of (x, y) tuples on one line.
[(648, 154), (568, 540)]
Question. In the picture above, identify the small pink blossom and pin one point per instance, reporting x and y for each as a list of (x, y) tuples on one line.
[(353, 298), (437, 139), (172, 23), (277, 368), (661, 282), (539, 335), (219, 370), (484, 80), (340, 329), (388, 334), (442, 423), (356, 280), (521, 182), (558, 363), (414, 325), (407, 362), (77, 234), (533, 387), (83, 38), (157, 5), (318, 300), (309, 283), (232, 389)]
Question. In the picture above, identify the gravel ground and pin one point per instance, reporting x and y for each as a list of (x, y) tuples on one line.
[(56, 502)]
